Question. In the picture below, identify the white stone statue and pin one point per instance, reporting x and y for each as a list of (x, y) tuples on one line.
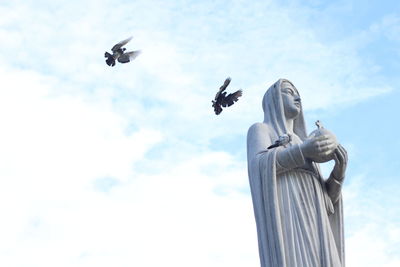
[(298, 213)]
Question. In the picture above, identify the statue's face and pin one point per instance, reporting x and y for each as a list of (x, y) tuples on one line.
[(291, 100)]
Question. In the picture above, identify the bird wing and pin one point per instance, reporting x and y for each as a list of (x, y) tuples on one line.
[(223, 87), (129, 56), (276, 144), (231, 98), (110, 61), (120, 44)]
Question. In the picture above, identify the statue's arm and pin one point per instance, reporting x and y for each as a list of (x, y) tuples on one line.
[(335, 180), (334, 188), (258, 140), (289, 158)]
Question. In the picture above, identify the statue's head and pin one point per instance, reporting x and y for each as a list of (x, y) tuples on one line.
[(277, 90), (282, 102), (290, 99)]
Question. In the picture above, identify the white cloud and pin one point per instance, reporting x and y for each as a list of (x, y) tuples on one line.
[(374, 245), (372, 231), (62, 131), (389, 26), (53, 148), (172, 218)]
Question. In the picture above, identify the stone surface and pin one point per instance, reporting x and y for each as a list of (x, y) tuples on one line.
[(298, 213)]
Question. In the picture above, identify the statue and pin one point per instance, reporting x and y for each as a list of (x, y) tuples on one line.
[(298, 213)]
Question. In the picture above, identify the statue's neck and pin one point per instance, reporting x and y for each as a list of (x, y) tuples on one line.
[(289, 126)]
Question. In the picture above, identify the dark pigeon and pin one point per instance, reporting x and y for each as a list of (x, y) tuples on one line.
[(118, 53), (223, 100)]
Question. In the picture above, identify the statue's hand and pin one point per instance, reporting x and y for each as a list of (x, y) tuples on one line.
[(340, 158), (317, 147)]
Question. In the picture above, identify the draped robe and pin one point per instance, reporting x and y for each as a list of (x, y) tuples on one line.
[(298, 223)]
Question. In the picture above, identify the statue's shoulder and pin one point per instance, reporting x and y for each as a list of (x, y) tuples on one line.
[(259, 131), (258, 138), (259, 127)]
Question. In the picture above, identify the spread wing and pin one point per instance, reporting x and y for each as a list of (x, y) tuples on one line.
[(231, 98), (120, 44), (129, 56), (220, 97), (223, 87)]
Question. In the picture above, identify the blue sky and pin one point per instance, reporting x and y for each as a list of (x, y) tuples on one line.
[(128, 166)]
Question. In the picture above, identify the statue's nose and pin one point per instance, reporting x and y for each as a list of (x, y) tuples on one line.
[(297, 98)]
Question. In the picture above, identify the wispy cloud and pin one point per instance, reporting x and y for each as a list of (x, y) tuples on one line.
[(374, 231)]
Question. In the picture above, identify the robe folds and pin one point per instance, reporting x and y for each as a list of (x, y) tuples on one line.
[(298, 224)]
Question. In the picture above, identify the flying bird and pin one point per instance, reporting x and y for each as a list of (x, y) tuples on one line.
[(223, 100), (118, 53)]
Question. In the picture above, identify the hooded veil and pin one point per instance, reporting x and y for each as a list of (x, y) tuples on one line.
[(272, 218)]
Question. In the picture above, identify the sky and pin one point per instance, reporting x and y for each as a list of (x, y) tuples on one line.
[(129, 166)]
